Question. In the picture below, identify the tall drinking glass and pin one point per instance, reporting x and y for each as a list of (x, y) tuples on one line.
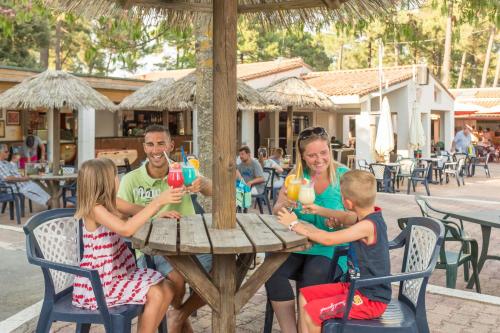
[(293, 189), (306, 194)]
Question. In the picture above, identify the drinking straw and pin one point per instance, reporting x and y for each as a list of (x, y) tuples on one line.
[(166, 156), (184, 158)]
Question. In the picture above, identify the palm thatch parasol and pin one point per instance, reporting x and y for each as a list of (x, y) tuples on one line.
[(53, 90), (180, 96), (293, 92), (147, 95), (270, 13)]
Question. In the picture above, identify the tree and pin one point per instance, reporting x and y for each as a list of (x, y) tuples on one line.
[(21, 30), (256, 44)]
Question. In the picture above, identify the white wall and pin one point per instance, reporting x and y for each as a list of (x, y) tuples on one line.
[(104, 124)]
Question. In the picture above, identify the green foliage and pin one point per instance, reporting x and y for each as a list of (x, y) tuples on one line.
[(257, 44), (22, 28)]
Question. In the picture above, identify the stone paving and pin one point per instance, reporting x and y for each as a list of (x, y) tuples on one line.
[(445, 313)]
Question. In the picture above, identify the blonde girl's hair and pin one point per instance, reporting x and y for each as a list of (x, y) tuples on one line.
[(306, 136), (96, 186)]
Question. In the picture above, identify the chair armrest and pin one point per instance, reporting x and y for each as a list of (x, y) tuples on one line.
[(71, 269), (7, 189), (91, 274), (358, 283)]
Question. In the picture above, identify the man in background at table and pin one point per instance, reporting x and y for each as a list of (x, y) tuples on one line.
[(9, 173), (142, 185), (251, 171)]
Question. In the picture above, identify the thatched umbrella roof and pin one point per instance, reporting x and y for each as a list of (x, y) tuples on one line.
[(270, 13), (54, 90), (180, 95), (146, 96), (295, 92)]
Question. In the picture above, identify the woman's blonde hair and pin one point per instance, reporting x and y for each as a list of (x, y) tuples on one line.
[(306, 136), (96, 186)]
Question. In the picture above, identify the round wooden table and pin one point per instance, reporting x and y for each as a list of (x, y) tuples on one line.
[(51, 184), (233, 252)]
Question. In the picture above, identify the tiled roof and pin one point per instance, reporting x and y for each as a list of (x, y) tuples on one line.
[(245, 72), (484, 97), (357, 81)]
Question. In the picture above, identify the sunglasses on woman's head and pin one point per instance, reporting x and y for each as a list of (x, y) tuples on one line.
[(308, 132)]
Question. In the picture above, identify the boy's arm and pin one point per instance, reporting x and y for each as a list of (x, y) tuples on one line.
[(361, 230), (344, 218)]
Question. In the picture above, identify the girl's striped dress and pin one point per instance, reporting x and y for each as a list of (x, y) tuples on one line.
[(122, 281)]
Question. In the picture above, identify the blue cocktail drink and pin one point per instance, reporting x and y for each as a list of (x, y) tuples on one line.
[(189, 173)]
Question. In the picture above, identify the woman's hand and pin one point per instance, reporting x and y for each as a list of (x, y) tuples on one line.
[(285, 217), (170, 215), (171, 196), (311, 209)]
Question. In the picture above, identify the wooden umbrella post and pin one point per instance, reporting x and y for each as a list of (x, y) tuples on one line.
[(224, 106), (56, 138), (224, 149), (289, 132)]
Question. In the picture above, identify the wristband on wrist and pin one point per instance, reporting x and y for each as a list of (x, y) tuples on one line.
[(292, 225)]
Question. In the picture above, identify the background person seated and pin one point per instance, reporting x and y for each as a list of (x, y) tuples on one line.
[(20, 184)]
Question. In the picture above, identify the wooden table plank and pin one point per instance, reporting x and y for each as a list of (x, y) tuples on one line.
[(193, 235), (163, 235), (259, 234), (140, 238), (290, 239), (227, 241)]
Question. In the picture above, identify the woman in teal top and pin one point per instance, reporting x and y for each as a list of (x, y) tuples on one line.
[(310, 267)]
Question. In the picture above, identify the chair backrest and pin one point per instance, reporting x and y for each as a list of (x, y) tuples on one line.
[(67, 170), (423, 239), (269, 174), (54, 235), (378, 170), (363, 164), (406, 166)]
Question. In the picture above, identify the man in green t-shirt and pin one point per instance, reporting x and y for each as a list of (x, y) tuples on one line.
[(142, 185)]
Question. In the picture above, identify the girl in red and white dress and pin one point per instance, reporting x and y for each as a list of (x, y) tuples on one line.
[(105, 251)]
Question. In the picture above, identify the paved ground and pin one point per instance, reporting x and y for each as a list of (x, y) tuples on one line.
[(445, 313)]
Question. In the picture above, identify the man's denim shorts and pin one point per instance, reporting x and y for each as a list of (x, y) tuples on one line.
[(164, 267)]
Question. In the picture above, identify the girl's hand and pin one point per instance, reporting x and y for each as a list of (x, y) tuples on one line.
[(285, 218), (170, 215), (171, 196), (311, 209)]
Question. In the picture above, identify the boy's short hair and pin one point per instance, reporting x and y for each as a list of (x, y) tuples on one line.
[(245, 149), (360, 187)]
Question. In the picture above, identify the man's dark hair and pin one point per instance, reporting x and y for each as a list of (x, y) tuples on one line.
[(30, 141), (245, 149), (157, 129)]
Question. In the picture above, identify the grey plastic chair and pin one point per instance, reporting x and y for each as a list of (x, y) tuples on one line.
[(421, 239), (53, 242)]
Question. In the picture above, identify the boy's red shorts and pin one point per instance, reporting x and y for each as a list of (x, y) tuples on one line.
[(326, 301)]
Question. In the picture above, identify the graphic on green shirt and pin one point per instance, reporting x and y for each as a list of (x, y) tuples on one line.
[(139, 188)]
